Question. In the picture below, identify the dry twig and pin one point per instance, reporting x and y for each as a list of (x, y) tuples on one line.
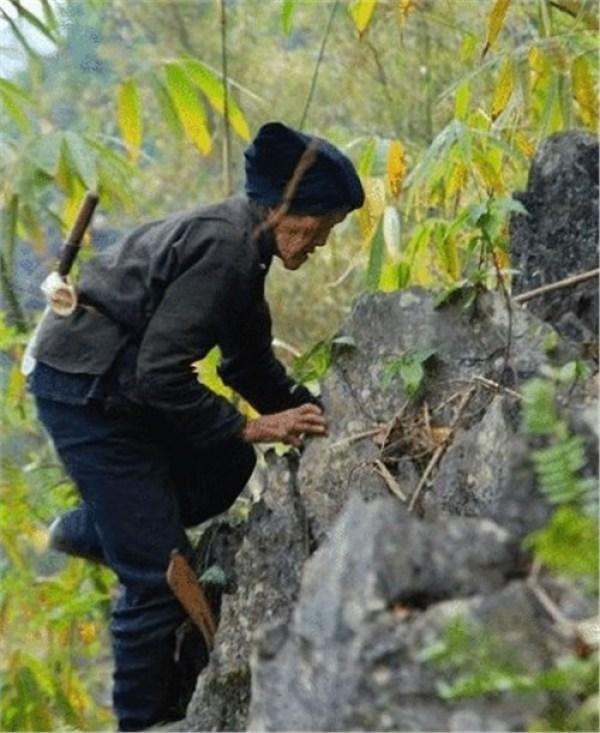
[(441, 448), (390, 481), (573, 280)]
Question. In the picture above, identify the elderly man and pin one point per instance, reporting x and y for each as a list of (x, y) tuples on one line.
[(150, 448)]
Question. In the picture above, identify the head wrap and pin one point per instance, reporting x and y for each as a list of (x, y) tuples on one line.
[(325, 179)]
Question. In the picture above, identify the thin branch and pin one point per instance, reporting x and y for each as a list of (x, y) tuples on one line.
[(567, 282), (313, 82), (439, 452), (497, 387), (227, 142)]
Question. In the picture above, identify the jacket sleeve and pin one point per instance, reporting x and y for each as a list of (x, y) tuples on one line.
[(250, 367), (186, 325)]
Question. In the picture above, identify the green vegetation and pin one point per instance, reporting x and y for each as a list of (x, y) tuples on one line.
[(441, 104)]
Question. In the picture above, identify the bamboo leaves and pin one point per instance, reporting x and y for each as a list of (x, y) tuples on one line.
[(495, 22), (584, 91), (178, 87), (287, 11), (189, 109), (15, 101), (212, 87), (503, 89), (129, 116), (396, 166)]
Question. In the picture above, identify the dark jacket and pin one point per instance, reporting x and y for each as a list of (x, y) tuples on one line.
[(161, 299)]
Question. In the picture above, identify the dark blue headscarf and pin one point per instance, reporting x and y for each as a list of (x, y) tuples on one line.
[(329, 183)]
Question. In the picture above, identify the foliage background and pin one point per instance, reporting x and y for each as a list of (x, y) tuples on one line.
[(440, 103)]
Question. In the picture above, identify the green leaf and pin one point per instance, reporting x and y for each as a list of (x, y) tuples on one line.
[(129, 117), (376, 256), (49, 17), (409, 367), (463, 97), (523, 75), (84, 161), (166, 106), (367, 159), (211, 86), (313, 364), (568, 543), (34, 21), (13, 100), (188, 107), (9, 232), (286, 15)]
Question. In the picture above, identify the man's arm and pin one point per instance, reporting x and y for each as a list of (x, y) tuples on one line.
[(250, 367), (185, 326)]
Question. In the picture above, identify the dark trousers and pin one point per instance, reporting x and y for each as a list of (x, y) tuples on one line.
[(141, 483)]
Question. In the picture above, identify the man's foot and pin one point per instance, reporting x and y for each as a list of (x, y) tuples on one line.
[(73, 534)]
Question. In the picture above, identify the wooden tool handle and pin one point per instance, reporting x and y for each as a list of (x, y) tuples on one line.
[(188, 591), (70, 248)]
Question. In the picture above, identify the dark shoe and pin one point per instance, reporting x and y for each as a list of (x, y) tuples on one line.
[(74, 534)]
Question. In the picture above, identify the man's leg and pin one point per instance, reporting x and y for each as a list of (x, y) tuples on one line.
[(75, 533), (209, 481), (123, 475)]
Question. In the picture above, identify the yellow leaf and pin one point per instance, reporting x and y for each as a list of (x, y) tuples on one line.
[(38, 538), (405, 7), (87, 631), (584, 91), (129, 117), (361, 12), (501, 259), (71, 206), (372, 210), (457, 180), (503, 89), (396, 166), (524, 144), (495, 23), (489, 175), (188, 107)]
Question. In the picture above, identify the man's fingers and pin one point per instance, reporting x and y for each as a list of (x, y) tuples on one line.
[(309, 408)]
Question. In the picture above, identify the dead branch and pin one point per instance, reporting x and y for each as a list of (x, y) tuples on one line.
[(567, 282), (390, 481), (441, 448)]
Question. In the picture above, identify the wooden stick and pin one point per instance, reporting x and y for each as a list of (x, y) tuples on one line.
[(573, 280), (439, 451)]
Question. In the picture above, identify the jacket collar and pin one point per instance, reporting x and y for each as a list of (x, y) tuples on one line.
[(261, 234)]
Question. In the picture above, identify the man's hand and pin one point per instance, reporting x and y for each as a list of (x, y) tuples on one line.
[(286, 427)]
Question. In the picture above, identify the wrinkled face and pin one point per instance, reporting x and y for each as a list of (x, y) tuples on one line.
[(296, 237)]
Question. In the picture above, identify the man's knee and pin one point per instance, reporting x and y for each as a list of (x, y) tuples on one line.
[(243, 458)]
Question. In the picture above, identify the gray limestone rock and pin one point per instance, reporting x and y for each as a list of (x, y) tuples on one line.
[(351, 657), (559, 236), (384, 326), (267, 569)]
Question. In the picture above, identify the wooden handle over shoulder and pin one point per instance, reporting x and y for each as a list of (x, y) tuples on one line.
[(71, 246)]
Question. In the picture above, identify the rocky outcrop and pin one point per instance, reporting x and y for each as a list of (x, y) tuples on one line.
[(360, 556), (559, 235), (355, 656), (334, 598)]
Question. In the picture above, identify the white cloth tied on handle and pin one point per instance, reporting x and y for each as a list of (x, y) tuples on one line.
[(60, 294)]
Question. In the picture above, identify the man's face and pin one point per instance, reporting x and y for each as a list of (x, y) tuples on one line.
[(296, 237)]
